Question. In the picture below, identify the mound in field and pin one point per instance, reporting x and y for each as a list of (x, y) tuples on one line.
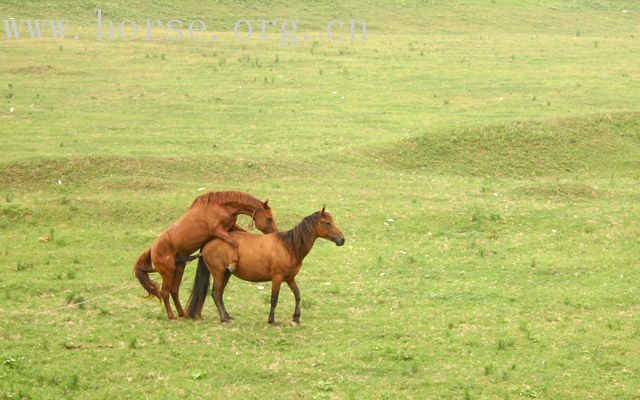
[(594, 145)]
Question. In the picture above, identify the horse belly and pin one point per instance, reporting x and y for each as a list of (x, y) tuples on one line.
[(254, 259), (253, 270)]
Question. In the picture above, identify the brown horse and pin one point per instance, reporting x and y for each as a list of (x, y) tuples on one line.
[(275, 257), (212, 214)]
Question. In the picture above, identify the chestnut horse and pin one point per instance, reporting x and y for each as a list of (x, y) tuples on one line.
[(211, 215), (275, 257)]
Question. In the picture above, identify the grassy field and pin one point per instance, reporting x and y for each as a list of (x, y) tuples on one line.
[(481, 157)]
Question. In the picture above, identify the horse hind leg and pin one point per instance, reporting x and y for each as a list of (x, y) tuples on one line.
[(175, 287), (216, 294), (164, 293), (166, 267), (225, 280)]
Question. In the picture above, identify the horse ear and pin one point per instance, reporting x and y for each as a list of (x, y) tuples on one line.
[(322, 211), (266, 204)]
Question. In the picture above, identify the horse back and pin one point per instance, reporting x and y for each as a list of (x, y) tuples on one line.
[(260, 257), (195, 227)]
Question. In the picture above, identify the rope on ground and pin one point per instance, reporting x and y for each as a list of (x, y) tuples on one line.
[(88, 300)]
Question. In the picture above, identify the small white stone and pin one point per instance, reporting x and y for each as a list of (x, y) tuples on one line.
[(12, 109), (59, 181), (383, 273), (259, 287)]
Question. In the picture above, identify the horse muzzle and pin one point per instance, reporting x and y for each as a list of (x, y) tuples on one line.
[(339, 241)]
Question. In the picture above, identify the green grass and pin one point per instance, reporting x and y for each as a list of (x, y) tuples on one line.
[(482, 159)]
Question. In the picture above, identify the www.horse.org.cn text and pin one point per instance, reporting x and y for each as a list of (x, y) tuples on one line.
[(288, 32)]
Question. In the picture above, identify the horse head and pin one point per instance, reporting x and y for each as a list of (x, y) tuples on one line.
[(263, 218), (327, 229)]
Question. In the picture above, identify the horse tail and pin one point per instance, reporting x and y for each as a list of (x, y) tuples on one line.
[(141, 269), (200, 290)]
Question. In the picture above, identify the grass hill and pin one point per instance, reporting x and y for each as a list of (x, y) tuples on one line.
[(480, 156), (599, 145)]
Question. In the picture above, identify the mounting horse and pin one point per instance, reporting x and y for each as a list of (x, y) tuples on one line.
[(212, 214), (275, 257)]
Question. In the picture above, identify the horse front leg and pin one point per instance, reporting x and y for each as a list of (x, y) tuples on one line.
[(238, 228), (296, 293), (224, 236), (275, 291)]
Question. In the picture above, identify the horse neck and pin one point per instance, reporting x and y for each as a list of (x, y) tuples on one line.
[(247, 207), (305, 247), (300, 243)]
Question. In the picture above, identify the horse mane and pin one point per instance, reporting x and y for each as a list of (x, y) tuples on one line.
[(210, 198), (299, 240)]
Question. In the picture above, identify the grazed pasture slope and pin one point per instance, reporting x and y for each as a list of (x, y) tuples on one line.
[(481, 157)]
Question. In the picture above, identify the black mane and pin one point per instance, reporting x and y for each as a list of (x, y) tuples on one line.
[(299, 240)]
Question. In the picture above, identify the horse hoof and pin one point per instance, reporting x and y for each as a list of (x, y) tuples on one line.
[(225, 321), (294, 323)]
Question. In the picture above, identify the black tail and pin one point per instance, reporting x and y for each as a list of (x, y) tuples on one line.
[(200, 290)]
